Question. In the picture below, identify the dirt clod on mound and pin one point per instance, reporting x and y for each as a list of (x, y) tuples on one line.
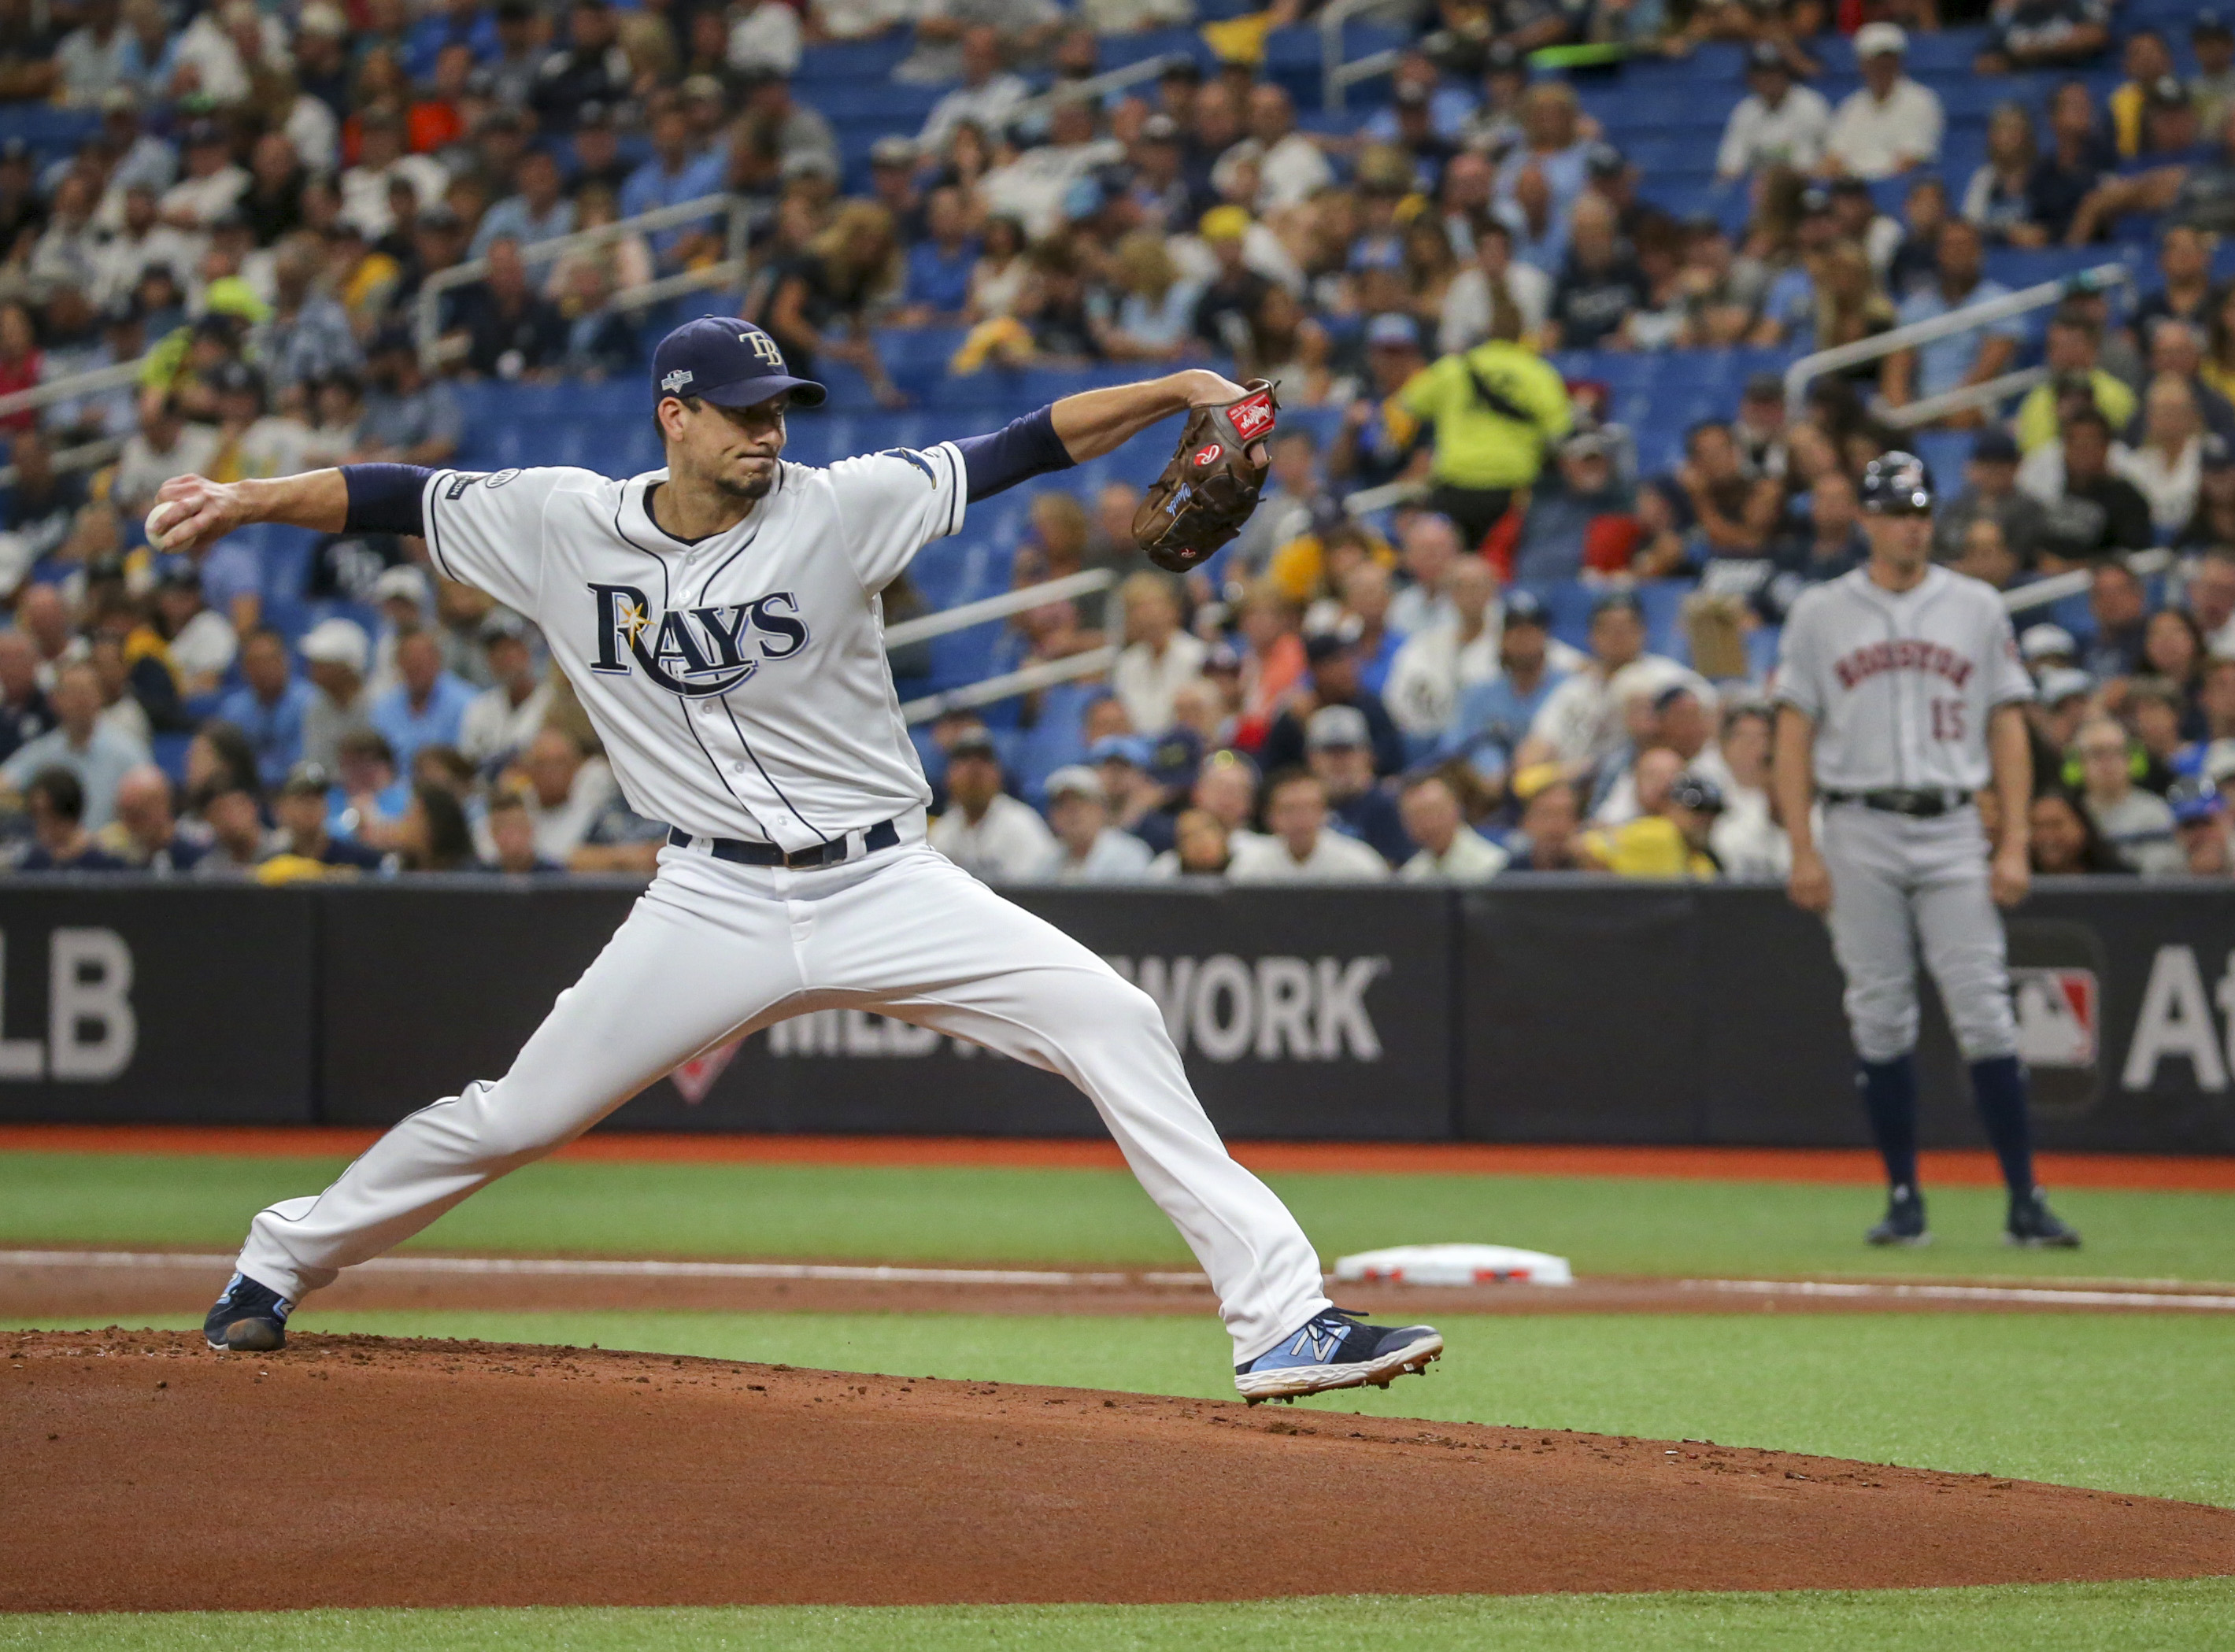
[(360, 1472)]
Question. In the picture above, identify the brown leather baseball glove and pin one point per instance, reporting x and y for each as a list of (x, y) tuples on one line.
[(1211, 484)]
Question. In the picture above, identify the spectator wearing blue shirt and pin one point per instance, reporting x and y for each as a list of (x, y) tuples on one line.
[(1972, 358), (428, 706), (97, 754), (269, 706), (939, 266), (674, 175), (453, 22), (408, 419), (1494, 716), (1340, 752), (540, 212)]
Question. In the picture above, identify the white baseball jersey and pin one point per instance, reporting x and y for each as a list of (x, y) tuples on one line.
[(739, 683), (1900, 685)]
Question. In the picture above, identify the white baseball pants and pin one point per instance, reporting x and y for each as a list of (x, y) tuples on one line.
[(712, 950), (1900, 886)]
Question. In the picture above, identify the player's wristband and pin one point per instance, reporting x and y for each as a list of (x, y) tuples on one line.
[(1019, 450), (386, 498)]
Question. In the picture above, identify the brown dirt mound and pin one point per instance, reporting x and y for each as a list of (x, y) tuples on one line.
[(357, 1472)]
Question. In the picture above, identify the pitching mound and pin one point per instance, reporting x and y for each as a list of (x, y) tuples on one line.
[(357, 1472)]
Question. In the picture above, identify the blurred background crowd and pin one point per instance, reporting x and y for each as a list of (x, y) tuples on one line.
[(1530, 275)]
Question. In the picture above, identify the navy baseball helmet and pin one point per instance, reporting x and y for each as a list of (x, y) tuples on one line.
[(1896, 484), (732, 363)]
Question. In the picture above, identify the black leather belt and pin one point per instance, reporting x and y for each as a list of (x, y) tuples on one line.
[(883, 835), (1917, 806)]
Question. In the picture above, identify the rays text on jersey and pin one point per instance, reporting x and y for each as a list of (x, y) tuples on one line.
[(694, 652)]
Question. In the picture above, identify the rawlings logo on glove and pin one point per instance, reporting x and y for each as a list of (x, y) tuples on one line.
[(1210, 485)]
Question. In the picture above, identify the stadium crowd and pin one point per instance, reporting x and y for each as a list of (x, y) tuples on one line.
[(1368, 684)]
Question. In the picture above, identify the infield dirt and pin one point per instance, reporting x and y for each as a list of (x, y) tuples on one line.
[(149, 1473)]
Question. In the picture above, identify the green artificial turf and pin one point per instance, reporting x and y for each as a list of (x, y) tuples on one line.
[(2160, 1616), (2128, 1402), (1605, 1224)]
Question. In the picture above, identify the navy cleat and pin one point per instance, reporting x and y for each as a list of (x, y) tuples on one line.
[(1335, 1349), (249, 1318), (2034, 1225), (1905, 1220)]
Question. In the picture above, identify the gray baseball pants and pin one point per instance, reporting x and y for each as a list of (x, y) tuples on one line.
[(1900, 886)]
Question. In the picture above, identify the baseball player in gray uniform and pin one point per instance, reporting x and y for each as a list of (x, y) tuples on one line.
[(1900, 690), (720, 619)]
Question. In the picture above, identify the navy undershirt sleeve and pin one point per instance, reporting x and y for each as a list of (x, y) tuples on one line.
[(1019, 450), (386, 498)]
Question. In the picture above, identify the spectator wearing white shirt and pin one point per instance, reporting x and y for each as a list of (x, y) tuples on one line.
[(984, 99), (212, 185), (1303, 848), (200, 641), (989, 834), (1468, 302), (566, 793), (1428, 550), (1290, 168), (1158, 658), (1451, 852), (1436, 664), (1579, 724), (1776, 123), (1088, 849), (765, 39), (164, 445), (381, 159), (1890, 123), (505, 717)]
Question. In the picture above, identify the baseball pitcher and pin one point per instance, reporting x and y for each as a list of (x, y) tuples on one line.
[(1899, 691), (720, 619)]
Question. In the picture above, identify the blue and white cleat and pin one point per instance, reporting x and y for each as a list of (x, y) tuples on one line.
[(248, 1318), (1335, 1349)]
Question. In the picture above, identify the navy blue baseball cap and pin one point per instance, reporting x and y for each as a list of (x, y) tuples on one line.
[(732, 363), (1526, 608)]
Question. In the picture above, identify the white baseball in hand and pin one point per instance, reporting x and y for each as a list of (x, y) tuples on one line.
[(160, 518)]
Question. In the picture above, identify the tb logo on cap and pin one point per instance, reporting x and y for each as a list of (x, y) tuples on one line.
[(764, 348)]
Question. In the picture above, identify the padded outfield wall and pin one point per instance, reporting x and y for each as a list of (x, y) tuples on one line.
[(1529, 1009)]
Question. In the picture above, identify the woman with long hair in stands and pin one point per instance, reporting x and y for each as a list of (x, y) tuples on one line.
[(823, 304), (1851, 306), (997, 282), (1430, 267), (433, 834), (2064, 840), (1149, 315)]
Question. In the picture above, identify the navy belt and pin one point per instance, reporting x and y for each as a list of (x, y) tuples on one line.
[(883, 835), (1928, 804)]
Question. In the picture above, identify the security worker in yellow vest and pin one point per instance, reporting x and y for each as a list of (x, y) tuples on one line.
[(1497, 410)]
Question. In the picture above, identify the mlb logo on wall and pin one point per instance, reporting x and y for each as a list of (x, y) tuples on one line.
[(2058, 1015), (2057, 971)]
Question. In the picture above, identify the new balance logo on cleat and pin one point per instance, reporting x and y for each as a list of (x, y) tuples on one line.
[(1337, 1350)]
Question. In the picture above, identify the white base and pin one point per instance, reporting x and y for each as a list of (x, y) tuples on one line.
[(1454, 1265)]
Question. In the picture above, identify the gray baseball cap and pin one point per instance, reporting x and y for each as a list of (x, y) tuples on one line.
[(1335, 729)]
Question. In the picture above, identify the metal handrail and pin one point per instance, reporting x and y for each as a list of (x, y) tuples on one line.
[(427, 310), (1984, 393), (85, 456), (1347, 75), (1971, 316), (1010, 684), (1367, 500), (1331, 64), (962, 618), (2058, 586), (1109, 80), (92, 382)]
